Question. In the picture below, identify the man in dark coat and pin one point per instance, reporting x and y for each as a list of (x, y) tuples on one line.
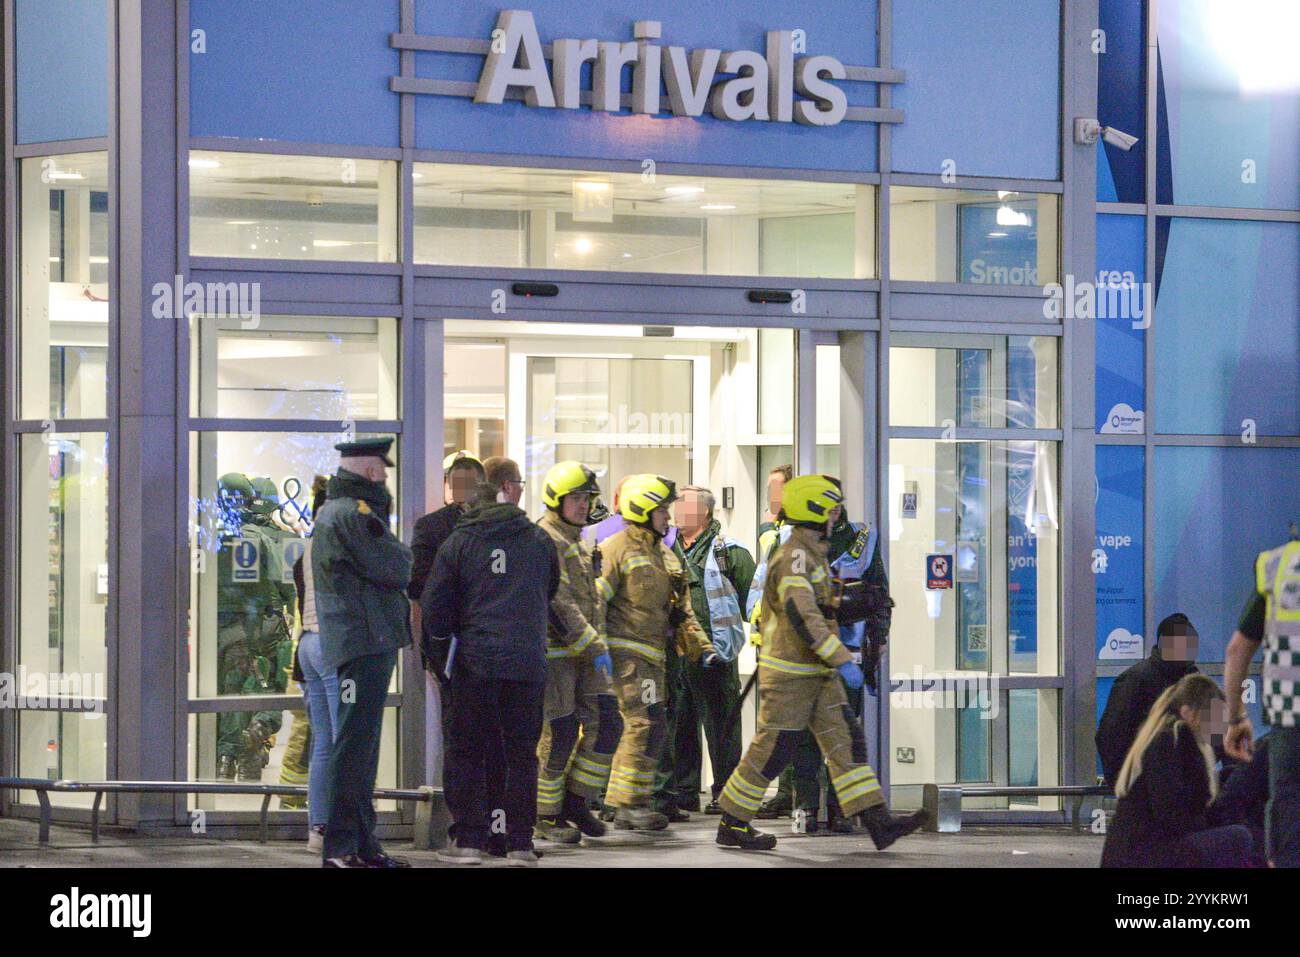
[(491, 587), (1136, 690), (360, 572)]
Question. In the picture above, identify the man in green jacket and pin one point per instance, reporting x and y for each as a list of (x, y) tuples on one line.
[(720, 570), (360, 572)]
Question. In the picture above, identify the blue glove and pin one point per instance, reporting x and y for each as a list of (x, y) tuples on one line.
[(604, 665), (851, 674)]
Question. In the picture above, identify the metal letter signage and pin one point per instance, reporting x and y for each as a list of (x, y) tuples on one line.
[(737, 85)]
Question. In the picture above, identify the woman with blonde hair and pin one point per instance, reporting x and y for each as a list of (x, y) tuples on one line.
[(1166, 784)]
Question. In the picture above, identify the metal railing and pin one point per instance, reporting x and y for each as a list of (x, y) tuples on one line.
[(943, 801), (43, 788)]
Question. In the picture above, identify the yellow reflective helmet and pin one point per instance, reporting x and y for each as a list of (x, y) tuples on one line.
[(565, 477), (809, 499), (642, 494)]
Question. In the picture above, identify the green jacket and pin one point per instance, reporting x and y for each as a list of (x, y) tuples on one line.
[(360, 571), (737, 567)]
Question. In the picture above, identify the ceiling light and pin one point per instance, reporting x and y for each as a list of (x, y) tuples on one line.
[(1010, 217), (198, 163), (997, 234), (329, 243), (717, 206), (1004, 193), (591, 186), (683, 190), (241, 222), (582, 244)]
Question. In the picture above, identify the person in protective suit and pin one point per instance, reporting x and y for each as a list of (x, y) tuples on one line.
[(253, 641), (581, 708), (799, 671), (648, 605)]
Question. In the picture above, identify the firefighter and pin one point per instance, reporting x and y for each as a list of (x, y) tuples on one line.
[(581, 708), (799, 670), (648, 606)]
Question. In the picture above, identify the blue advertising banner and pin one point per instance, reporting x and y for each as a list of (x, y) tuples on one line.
[(1121, 336), (999, 243), (1117, 554)]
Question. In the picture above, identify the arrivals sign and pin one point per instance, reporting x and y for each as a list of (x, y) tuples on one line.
[(782, 84)]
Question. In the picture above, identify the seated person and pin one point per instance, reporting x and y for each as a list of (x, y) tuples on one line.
[(1167, 783), (1136, 690)]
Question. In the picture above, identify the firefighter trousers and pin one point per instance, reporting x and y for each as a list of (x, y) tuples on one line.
[(581, 713), (787, 705), (641, 689)]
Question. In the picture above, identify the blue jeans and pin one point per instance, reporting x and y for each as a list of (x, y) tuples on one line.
[(1282, 818), (321, 694)]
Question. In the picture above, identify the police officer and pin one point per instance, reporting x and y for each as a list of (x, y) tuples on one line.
[(799, 671), (581, 708), (360, 571), (647, 606), (253, 642), (1272, 617)]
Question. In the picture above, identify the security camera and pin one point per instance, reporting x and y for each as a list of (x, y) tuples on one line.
[(1087, 131)]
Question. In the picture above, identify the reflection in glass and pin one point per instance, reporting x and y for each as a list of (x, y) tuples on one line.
[(988, 382), (1000, 238), (63, 326), (62, 745), (268, 206), (622, 222), (250, 515), (294, 367)]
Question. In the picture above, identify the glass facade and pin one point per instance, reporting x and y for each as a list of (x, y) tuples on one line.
[(914, 358)]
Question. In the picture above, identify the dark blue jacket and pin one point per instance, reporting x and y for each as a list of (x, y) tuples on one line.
[(491, 586)]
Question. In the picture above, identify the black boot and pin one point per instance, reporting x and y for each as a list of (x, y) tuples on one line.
[(885, 829), (579, 815), (733, 832)]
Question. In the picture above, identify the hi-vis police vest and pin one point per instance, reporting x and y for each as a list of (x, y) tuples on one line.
[(853, 564), (1277, 578), (767, 546), (726, 625)]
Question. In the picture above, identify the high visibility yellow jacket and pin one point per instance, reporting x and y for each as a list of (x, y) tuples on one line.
[(798, 638), (577, 611), (642, 582)]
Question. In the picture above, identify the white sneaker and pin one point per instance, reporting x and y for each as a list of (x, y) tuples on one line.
[(522, 859), (316, 839), (459, 855)]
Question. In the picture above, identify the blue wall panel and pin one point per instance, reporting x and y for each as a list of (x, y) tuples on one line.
[(845, 29), (1229, 112), (1117, 564), (982, 87), (1228, 343), (1121, 349), (301, 70), (61, 69), (1215, 510), (1121, 89)]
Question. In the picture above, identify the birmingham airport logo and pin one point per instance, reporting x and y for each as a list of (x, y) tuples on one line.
[(732, 85), (928, 691), (1115, 295), (64, 691), (215, 300)]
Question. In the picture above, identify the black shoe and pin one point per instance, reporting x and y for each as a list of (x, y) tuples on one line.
[(713, 807), (383, 860), (579, 815), (350, 860), (840, 825), (674, 814), (733, 832), (885, 829), (496, 845), (774, 808)]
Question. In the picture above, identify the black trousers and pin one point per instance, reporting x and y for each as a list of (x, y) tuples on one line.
[(354, 760), (703, 697), (485, 714)]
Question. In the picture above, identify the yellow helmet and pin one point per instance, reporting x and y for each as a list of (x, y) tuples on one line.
[(642, 494), (809, 499), (566, 477)]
